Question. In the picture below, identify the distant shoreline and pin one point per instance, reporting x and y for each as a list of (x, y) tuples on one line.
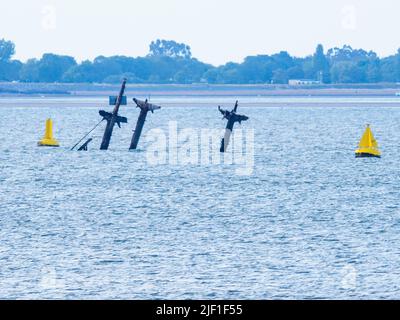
[(196, 90)]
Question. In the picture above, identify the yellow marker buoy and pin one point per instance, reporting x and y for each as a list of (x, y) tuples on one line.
[(48, 139), (368, 146)]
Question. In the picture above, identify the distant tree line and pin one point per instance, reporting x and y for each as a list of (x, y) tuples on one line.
[(172, 62)]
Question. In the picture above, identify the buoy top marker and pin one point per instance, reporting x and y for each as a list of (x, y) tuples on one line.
[(48, 139), (368, 146)]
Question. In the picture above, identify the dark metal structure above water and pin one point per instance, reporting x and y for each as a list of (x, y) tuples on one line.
[(84, 147), (145, 107), (232, 118), (113, 118)]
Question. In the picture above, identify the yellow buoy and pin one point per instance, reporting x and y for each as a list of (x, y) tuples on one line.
[(48, 139), (368, 147)]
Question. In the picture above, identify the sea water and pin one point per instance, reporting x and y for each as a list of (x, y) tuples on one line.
[(309, 222)]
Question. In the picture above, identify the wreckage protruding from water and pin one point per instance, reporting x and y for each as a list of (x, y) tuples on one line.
[(232, 118), (145, 107), (113, 118), (84, 147)]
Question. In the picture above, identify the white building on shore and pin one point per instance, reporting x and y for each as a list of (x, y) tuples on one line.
[(303, 82)]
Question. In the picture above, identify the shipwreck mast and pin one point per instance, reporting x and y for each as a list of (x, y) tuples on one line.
[(145, 107), (113, 118), (232, 118)]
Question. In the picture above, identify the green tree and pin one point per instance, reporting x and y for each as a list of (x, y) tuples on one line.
[(172, 62), (51, 67), (30, 71), (7, 50), (321, 65), (9, 71), (257, 69), (280, 76), (348, 72), (82, 73), (212, 75), (397, 65), (295, 72), (169, 48), (283, 60), (373, 71)]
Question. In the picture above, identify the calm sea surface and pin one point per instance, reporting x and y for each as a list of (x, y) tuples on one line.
[(310, 222)]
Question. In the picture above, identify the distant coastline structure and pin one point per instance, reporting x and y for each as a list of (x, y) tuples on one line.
[(303, 82)]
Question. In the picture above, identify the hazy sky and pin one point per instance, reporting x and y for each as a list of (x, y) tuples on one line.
[(217, 30)]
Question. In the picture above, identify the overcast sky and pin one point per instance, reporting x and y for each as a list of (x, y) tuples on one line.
[(218, 31)]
